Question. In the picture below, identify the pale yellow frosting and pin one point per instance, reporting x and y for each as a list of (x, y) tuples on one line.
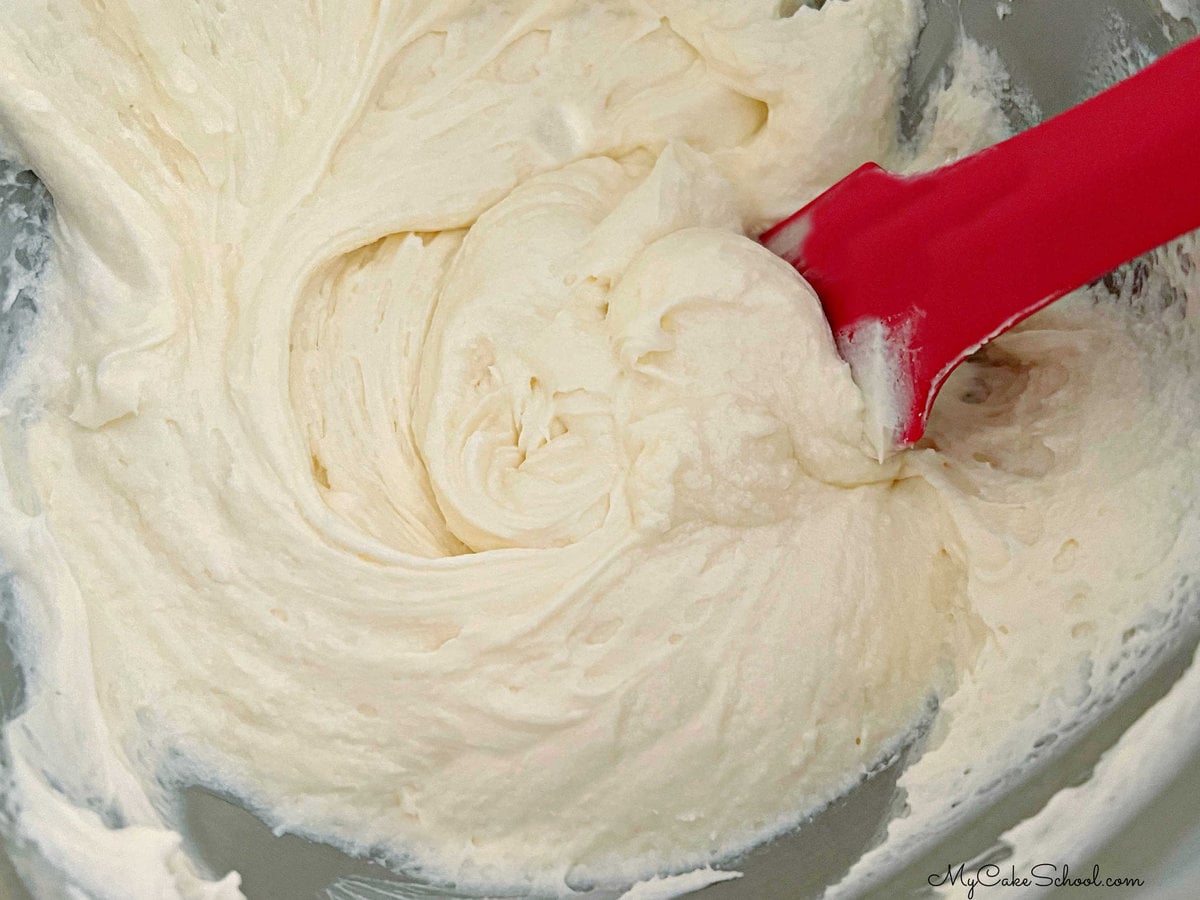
[(417, 445)]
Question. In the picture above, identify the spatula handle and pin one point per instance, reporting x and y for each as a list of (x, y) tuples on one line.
[(1056, 207)]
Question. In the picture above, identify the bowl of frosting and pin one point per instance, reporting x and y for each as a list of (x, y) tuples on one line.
[(416, 481)]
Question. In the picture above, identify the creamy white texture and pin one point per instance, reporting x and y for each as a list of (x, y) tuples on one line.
[(421, 450)]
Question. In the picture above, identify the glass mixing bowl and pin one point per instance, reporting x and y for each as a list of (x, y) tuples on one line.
[(1058, 52)]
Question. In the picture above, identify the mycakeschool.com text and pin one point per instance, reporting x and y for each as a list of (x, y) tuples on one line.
[(977, 880)]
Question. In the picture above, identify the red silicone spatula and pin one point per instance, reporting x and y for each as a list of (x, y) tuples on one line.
[(916, 273)]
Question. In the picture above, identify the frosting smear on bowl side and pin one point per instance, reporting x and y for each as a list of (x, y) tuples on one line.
[(414, 444)]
